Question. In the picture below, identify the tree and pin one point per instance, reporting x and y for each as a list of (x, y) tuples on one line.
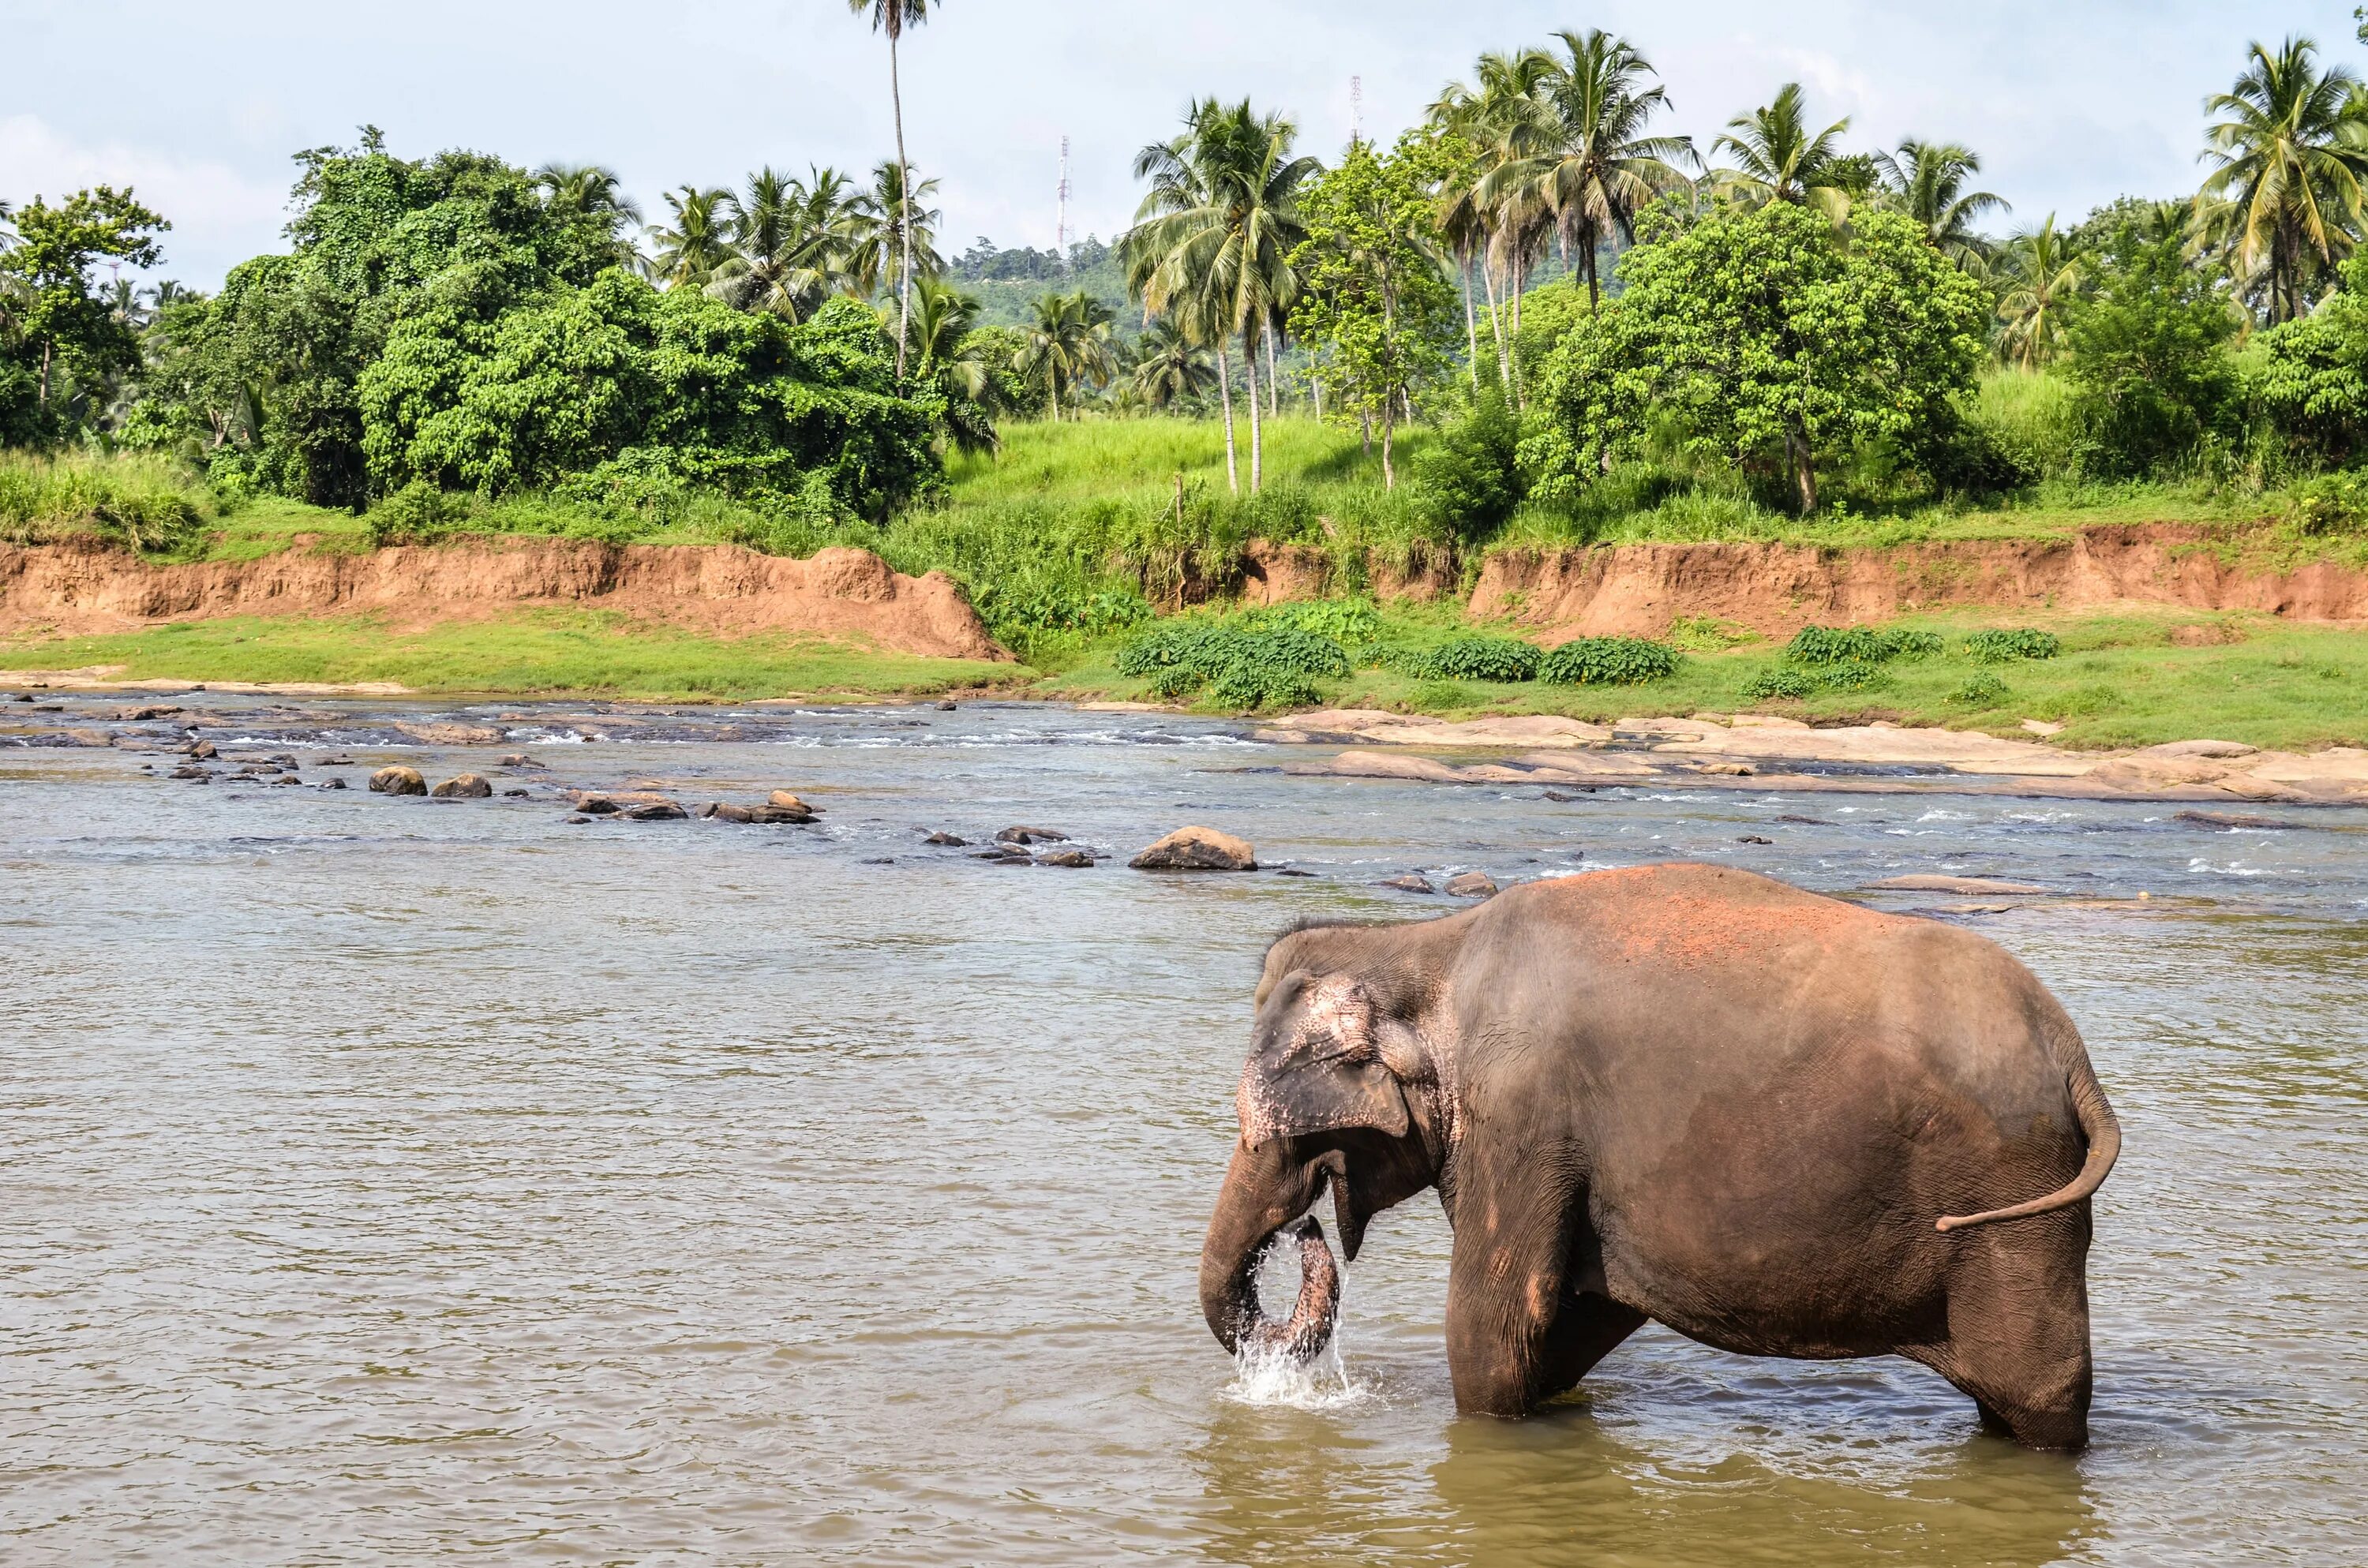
[(892, 17), (1502, 119), (881, 227), (948, 357), (2310, 378), (1170, 367), (2043, 270), (2148, 363), (1777, 159), (590, 192), (790, 242), (1068, 345), (1763, 338), (698, 241), (1375, 297), (1593, 167), (2290, 149), (1211, 245), (1928, 180), (60, 309)]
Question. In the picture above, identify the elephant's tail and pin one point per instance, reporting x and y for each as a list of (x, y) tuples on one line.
[(2098, 1124)]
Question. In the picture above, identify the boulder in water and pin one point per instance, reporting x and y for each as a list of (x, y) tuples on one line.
[(395, 781), (1409, 883), (1024, 834), (1076, 859), (1198, 849), (656, 811), (1473, 884), (463, 787)]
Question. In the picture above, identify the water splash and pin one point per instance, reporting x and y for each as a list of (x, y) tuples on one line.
[(1271, 1377)]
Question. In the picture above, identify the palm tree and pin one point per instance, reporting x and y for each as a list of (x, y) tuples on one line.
[(788, 242), (946, 357), (1067, 343), (594, 192), (2291, 148), (1928, 180), (1777, 159), (2043, 270), (1503, 119), (1212, 239), (892, 17), (1594, 167), (881, 231), (697, 244), (1170, 367)]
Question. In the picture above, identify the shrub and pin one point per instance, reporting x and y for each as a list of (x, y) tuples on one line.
[(1854, 676), (2333, 504), (1252, 667), (419, 513), (2003, 646), (1477, 658), (1781, 682), (1608, 660), (1984, 690), (1347, 621), (1858, 644)]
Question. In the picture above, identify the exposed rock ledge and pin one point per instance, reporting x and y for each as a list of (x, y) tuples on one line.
[(82, 587), (1753, 752)]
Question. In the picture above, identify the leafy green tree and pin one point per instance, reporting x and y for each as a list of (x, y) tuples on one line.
[(948, 357), (2289, 150), (881, 223), (1375, 296), (1067, 345), (1777, 159), (1213, 238), (2041, 271), (1767, 339), (2148, 351), (1170, 369), (1592, 166), (892, 17), (2311, 375), (699, 239), (790, 240), (59, 310), (1927, 180), (590, 193), (1501, 118), (617, 387)]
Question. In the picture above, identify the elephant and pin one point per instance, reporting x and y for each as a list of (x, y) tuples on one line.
[(1775, 1122)]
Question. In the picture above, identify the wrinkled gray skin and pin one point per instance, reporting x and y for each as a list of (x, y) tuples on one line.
[(1777, 1123)]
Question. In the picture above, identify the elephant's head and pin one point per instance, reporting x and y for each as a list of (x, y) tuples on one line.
[(1341, 1089)]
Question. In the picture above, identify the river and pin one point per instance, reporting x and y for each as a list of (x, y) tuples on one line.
[(390, 1177)]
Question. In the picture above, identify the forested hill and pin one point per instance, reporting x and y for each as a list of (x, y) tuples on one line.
[(1008, 283)]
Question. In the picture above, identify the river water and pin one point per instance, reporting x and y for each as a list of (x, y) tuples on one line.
[(390, 1177)]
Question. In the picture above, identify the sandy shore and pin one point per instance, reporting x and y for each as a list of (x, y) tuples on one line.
[(1758, 752)]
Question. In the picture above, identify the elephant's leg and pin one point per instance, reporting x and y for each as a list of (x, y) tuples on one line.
[(1505, 1292), (1587, 1329), (2018, 1340)]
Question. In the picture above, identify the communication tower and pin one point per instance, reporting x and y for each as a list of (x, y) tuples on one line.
[(1356, 108), (1061, 223)]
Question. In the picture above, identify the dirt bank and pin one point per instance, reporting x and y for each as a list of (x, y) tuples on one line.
[(80, 588), (1638, 589)]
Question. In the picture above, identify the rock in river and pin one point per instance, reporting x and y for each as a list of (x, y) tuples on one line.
[(398, 780), (466, 787), (1473, 884), (1409, 883), (1023, 835), (1076, 859), (1196, 849), (1971, 886), (657, 810)]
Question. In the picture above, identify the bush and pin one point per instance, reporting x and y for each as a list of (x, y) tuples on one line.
[(1347, 621), (1239, 667), (1819, 646), (1781, 682), (419, 513), (1608, 660), (1468, 481), (1471, 658), (1984, 690), (1854, 676), (2334, 503), (2006, 647), (147, 502)]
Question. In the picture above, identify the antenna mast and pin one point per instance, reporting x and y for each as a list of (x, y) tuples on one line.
[(1061, 225), (1356, 108)]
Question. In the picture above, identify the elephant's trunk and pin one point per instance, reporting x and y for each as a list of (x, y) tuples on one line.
[(1262, 1196)]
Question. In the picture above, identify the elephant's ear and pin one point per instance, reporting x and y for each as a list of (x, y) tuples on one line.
[(1318, 1066)]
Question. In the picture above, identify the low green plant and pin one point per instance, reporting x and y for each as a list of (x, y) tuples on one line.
[(1708, 635), (148, 503), (419, 513), (1778, 682), (1608, 660), (1816, 645), (1239, 666), (1504, 659), (1983, 690), (2330, 505), (1347, 621), (1855, 675), (2004, 645)]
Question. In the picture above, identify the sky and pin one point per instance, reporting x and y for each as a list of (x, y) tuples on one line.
[(2070, 103)]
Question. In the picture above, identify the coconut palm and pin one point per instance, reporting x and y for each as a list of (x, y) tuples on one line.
[(1593, 166), (788, 245), (945, 358), (1928, 180), (1068, 345), (892, 17), (881, 234), (2042, 270), (1776, 158), (1502, 119), (1170, 367), (2290, 149), (698, 241), (1212, 239)]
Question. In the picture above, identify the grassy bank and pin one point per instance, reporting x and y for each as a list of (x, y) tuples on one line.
[(545, 652)]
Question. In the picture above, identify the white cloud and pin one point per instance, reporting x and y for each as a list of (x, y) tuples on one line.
[(230, 216)]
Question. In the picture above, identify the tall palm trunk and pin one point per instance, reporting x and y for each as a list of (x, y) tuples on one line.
[(904, 208), (1225, 395), (1257, 440), (1470, 327), (1389, 423), (1273, 379), (1497, 328)]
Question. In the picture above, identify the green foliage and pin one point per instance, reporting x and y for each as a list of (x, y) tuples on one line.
[(419, 513), (2149, 365), (1780, 682), (1708, 635), (147, 502), (1469, 481), (1983, 690), (1239, 666), (1350, 623), (1763, 339), (1837, 645), (2012, 645), (1465, 658), (1608, 660), (1854, 674), (55, 318), (2309, 376), (2330, 505)]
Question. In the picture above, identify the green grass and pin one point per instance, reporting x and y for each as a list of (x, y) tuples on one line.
[(539, 651), (149, 503)]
